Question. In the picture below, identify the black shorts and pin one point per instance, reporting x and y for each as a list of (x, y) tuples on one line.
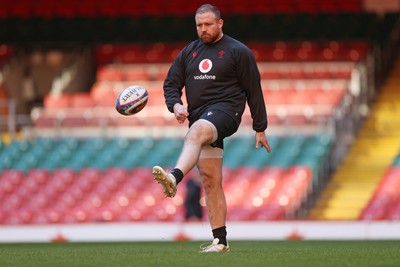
[(224, 123)]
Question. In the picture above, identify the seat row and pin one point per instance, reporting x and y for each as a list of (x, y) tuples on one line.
[(91, 195), (299, 111), (295, 92), (100, 118), (367, 27), (146, 73), (90, 8), (296, 100), (103, 153), (277, 92), (284, 51)]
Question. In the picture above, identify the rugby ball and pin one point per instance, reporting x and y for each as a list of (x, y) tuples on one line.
[(131, 100)]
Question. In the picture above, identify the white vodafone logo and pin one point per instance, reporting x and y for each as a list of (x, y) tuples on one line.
[(205, 65)]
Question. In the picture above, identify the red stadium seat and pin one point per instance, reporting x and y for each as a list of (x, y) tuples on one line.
[(385, 199), (135, 73), (110, 73), (117, 194), (104, 97), (82, 100), (57, 101)]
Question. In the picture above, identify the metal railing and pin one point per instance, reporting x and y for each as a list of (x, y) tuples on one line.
[(10, 121)]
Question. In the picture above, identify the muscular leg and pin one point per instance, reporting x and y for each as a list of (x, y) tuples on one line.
[(211, 173), (200, 133)]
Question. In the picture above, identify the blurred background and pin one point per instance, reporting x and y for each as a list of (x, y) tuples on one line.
[(331, 81)]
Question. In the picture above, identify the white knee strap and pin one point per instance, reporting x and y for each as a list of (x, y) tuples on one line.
[(209, 152)]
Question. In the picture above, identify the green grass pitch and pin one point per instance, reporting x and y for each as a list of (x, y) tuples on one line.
[(185, 254)]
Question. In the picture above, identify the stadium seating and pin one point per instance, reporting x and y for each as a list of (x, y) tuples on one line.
[(307, 52), (264, 51), (272, 27), (71, 180), (362, 186), (297, 91), (90, 195), (113, 8), (384, 204), (102, 153)]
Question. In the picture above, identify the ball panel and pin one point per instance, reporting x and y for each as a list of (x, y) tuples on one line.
[(131, 100)]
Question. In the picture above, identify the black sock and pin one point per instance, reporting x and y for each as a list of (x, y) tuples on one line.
[(220, 233), (178, 174)]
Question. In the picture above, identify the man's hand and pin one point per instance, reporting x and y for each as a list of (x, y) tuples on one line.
[(180, 112), (261, 140)]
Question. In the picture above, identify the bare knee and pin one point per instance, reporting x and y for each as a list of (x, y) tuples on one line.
[(199, 133)]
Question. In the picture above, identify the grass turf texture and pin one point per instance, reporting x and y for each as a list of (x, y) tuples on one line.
[(185, 254)]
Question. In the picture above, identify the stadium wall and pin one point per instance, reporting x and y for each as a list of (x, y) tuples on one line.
[(282, 230)]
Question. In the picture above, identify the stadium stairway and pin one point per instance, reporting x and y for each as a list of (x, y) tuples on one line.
[(370, 156)]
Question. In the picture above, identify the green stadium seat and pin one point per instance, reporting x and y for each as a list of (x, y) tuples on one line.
[(396, 161), (236, 150)]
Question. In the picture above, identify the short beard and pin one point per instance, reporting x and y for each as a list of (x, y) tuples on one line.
[(207, 40)]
